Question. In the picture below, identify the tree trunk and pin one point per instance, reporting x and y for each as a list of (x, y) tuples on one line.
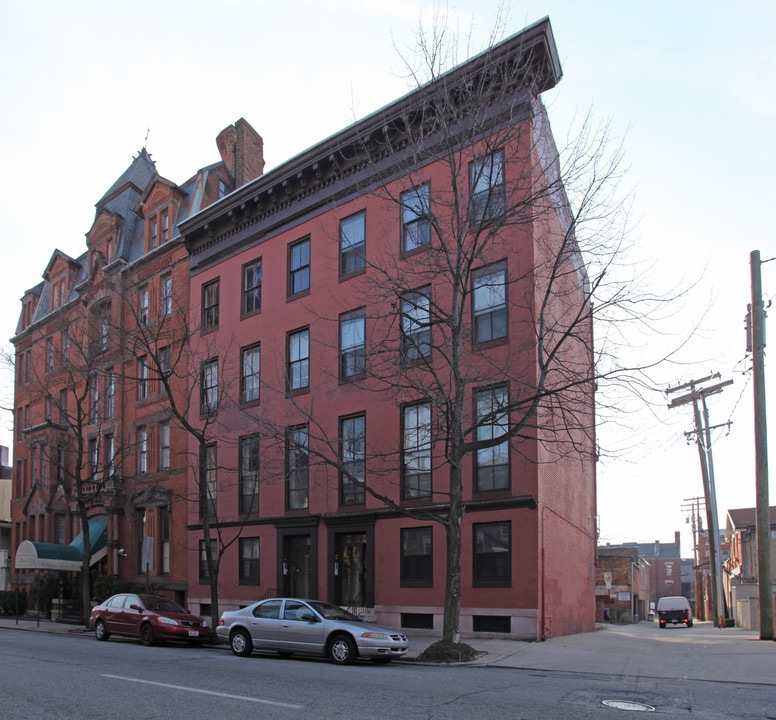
[(86, 596), (210, 561), (452, 610)]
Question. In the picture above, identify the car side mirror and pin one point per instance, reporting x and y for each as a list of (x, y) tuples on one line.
[(136, 607), (309, 617)]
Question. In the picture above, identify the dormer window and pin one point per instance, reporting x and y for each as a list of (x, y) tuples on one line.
[(165, 227), (58, 293), (154, 239)]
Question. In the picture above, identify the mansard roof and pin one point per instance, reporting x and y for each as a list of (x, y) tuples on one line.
[(134, 179)]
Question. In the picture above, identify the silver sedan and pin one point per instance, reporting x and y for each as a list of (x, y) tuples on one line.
[(290, 625)]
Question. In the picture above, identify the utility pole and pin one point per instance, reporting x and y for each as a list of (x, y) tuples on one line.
[(763, 523), (703, 440), (694, 508)]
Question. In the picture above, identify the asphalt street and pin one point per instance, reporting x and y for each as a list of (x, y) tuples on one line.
[(644, 650)]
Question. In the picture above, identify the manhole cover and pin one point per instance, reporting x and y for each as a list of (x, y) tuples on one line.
[(626, 705)]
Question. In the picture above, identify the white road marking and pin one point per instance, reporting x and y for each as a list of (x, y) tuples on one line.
[(206, 692)]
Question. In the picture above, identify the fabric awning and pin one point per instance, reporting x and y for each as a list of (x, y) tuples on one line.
[(51, 556)]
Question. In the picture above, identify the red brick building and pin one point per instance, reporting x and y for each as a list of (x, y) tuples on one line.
[(327, 329), (622, 586), (94, 434), (664, 560)]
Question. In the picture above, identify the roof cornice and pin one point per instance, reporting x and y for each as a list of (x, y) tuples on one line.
[(370, 148)]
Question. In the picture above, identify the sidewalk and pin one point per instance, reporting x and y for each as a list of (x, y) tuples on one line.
[(493, 650), (640, 650)]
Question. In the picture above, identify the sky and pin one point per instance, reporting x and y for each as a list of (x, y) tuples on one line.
[(689, 87)]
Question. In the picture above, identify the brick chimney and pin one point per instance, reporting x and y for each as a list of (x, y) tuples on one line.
[(678, 539), (242, 151)]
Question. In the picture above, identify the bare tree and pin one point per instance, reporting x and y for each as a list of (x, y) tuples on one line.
[(76, 456), (512, 258), (193, 397)]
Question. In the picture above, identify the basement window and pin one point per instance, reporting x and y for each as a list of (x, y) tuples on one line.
[(492, 623), (417, 621)]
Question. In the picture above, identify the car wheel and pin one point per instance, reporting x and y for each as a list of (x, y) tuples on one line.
[(689, 623), (240, 642), (100, 631), (146, 634), (342, 650)]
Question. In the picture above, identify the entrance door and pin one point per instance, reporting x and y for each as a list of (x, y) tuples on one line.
[(350, 569), (296, 566)]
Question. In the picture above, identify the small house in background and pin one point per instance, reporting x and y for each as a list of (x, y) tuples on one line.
[(740, 574)]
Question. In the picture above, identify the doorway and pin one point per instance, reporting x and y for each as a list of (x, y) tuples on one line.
[(297, 566), (350, 569)]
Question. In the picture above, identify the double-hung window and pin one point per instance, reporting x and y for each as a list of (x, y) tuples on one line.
[(297, 468), (249, 561), (352, 239), (486, 187), (298, 360), (210, 471), (299, 267), (110, 454), (103, 327), (142, 450), (94, 399), (110, 394), (492, 462), (251, 287), (142, 311), (210, 304), (250, 366), (209, 387), (249, 474), (416, 325), (164, 446), (417, 568), (415, 223), (166, 304), (353, 460), (489, 300), (49, 353), (416, 451), (352, 344), (492, 554), (204, 573), (142, 378)]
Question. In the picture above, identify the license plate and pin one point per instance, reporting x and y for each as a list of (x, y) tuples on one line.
[(193, 633)]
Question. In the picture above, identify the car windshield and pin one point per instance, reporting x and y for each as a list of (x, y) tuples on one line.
[(332, 612), (159, 604)]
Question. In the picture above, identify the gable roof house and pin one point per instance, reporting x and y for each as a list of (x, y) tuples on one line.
[(741, 574)]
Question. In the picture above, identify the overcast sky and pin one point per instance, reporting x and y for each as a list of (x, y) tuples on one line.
[(691, 86)]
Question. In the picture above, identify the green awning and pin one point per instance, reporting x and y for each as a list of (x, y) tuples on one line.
[(51, 556)]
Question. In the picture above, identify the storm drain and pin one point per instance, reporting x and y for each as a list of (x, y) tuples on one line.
[(626, 705)]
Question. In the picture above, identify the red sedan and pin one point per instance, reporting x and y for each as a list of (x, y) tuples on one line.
[(148, 617)]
